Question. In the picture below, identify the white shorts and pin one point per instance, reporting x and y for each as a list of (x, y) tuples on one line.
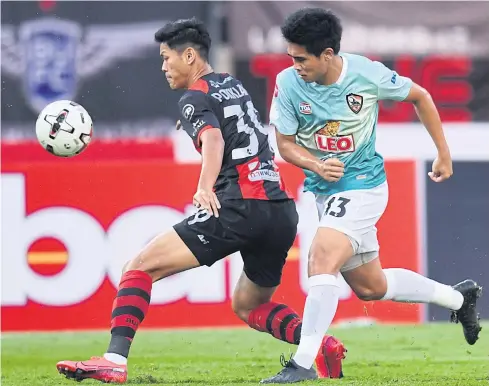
[(355, 213)]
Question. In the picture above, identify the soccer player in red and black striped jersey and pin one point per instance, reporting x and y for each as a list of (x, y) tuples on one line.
[(243, 205)]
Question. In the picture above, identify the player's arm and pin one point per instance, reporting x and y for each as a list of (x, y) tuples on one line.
[(201, 124), (331, 170), (212, 153), (283, 119), (395, 87), (295, 154), (429, 117)]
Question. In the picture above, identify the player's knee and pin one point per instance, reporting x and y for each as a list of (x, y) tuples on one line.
[(370, 293), (132, 265), (242, 313), (125, 267), (158, 267), (329, 252), (323, 259), (240, 309), (140, 264)]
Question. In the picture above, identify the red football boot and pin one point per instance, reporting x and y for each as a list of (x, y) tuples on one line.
[(96, 368), (328, 360)]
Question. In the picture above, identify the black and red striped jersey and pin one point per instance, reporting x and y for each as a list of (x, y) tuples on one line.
[(248, 168)]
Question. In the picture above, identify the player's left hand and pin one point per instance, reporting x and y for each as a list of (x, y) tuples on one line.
[(442, 168), (207, 200)]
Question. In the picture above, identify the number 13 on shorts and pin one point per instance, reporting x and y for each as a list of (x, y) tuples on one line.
[(354, 212)]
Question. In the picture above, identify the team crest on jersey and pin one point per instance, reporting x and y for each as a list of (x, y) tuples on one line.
[(355, 102), (305, 108)]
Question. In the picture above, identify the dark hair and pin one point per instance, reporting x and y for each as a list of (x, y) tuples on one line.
[(313, 28), (185, 33)]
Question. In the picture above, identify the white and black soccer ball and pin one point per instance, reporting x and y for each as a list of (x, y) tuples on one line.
[(64, 128)]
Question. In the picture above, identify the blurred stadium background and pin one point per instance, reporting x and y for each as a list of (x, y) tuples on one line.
[(68, 225)]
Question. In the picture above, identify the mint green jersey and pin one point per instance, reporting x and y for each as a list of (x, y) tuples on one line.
[(338, 120)]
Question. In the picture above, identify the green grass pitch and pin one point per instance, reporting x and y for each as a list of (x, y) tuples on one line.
[(432, 354)]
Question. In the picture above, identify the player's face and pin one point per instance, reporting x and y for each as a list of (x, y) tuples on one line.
[(175, 68), (309, 67)]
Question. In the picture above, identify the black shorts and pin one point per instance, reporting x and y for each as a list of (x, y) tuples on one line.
[(263, 231)]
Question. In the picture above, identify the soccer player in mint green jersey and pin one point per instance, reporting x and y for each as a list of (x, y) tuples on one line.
[(325, 110)]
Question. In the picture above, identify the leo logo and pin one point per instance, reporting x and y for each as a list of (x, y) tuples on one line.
[(51, 56), (305, 108), (328, 140), (355, 102)]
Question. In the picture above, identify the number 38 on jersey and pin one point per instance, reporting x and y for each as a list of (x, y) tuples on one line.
[(220, 101)]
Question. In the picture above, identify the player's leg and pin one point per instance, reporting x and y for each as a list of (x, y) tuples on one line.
[(253, 305), (364, 273), (329, 250), (167, 254), (370, 282), (264, 256), (164, 256)]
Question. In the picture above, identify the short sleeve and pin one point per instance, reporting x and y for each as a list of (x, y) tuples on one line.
[(197, 115), (390, 84), (282, 114)]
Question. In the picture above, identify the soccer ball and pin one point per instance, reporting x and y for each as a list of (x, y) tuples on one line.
[(64, 128)]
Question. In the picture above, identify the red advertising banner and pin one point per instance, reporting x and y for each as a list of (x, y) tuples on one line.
[(67, 229), (99, 150), (446, 78)]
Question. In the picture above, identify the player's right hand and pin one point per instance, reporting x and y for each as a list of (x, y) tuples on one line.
[(207, 200), (331, 169)]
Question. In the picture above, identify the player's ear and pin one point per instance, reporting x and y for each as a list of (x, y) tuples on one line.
[(189, 55), (328, 54)]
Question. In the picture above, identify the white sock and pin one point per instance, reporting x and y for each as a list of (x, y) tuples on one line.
[(407, 286), (319, 311), (116, 358)]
